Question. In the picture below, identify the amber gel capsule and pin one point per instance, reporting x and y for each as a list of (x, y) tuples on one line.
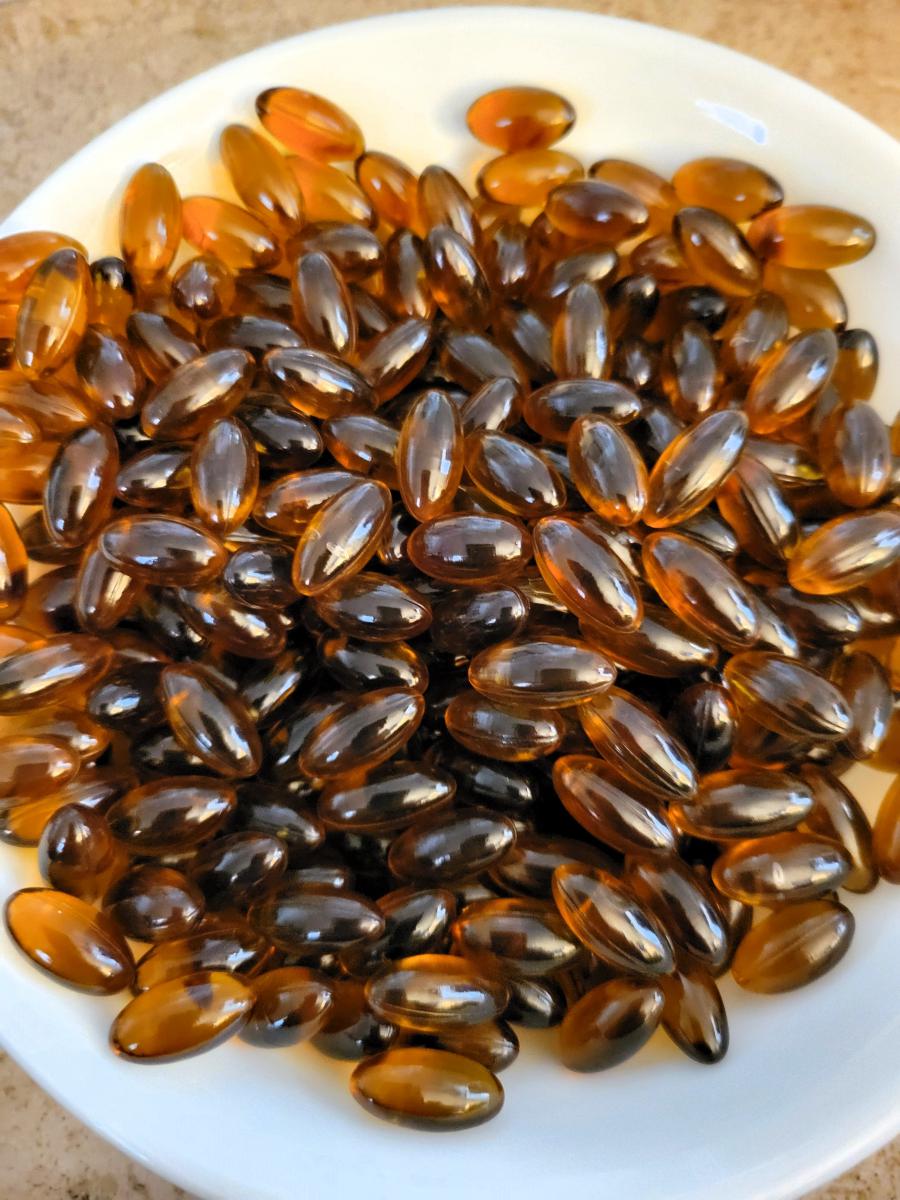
[(522, 937), (430, 992), (705, 593), (689, 372), (786, 696), (162, 549), (53, 313), (310, 125), (374, 607), (171, 814), (224, 475), (513, 474), (323, 309), (261, 178), (196, 393), (209, 720), (781, 867), (716, 251), (611, 922), (886, 836), (585, 575), (241, 240), (599, 800), (790, 380), (760, 513), (426, 1088), (43, 671), (609, 1024), (846, 552), (70, 939), (446, 847), (362, 732), (520, 118), (866, 688), (430, 455), (150, 223), (854, 450), (388, 797), (745, 803), (341, 537), (512, 732), (554, 671), (639, 744), (693, 467), (793, 946), (470, 548), (811, 236), (182, 1016), (837, 814), (737, 189), (456, 278), (391, 188), (596, 211), (607, 469)]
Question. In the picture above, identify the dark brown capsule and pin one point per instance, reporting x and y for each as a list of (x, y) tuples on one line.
[(716, 251), (867, 689), (535, 1003), (126, 699), (271, 809), (351, 1031), (836, 814), (690, 373), (323, 310), (855, 454), (203, 288), (388, 797), (443, 201), (527, 869), (364, 731), (551, 410), (856, 370), (260, 576), (511, 732), (253, 334), (162, 549), (78, 854), (313, 920), (365, 443), (684, 905), (473, 618), (170, 815), (595, 211), (456, 278), (521, 937), (744, 804), (428, 993), (756, 508), (109, 374), (392, 360), (374, 607), (234, 871), (581, 334), (210, 720), (660, 645), (157, 478), (355, 251), (786, 696), (609, 1024), (793, 946), (694, 1015), (47, 669), (196, 393), (407, 291), (292, 1005), (79, 490), (218, 945), (693, 467), (154, 904), (451, 846), (493, 1044), (471, 360), (285, 438), (159, 344), (287, 505)]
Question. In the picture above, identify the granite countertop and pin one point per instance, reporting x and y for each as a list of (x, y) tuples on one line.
[(69, 70)]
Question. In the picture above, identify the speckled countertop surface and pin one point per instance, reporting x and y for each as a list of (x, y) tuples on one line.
[(69, 70)]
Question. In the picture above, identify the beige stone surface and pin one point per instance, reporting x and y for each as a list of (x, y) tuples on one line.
[(69, 68)]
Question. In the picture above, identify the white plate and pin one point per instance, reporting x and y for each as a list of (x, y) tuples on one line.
[(812, 1082)]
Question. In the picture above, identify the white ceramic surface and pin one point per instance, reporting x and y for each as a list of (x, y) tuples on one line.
[(812, 1082)]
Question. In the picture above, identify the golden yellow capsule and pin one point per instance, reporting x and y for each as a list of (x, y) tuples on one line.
[(856, 371), (328, 193), (520, 118), (812, 299), (310, 125), (512, 474), (53, 313), (182, 1016), (241, 240), (526, 177), (846, 552), (391, 188), (150, 223), (737, 189), (811, 236), (262, 178)]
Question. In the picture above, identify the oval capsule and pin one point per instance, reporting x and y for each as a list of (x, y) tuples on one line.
[(388, 797), (374, 607), (314, 919), (638, 743), (390, 186), (239, 238), (234, 871), (80, 485), (323, 310), (781, 867), (153, 903), (394, 358), (512, 474), (426, 1088), (45, 670), (224, 475), (609, 1024), (219, 945), (428, 993), (197, 393), (341, 537), (78, 854), (811, 236), (260, 576), (790, 380), (599, 800), (855, 454), (716, 251), (856, 370), (659, 645), (53, 313), (745, 804), (684, 906), (551, 410), (737, 189), (595, 211), (169, 815), (430, 455), (473, 618), (693, 467), (521, 937), (150, 223), (836, 814), (456, 278), (209, 720), (759, 325), (701, 589), (754, 505), (181, 1016), (261, 178), (508, 731), (69, 939), (451, 846), (310, 125), (793, 946), (554, 671), (607, 469), (363, 732), (203, 288), (812, 298), (689, 372), (866, 687), (694, 1015), (585, 575), (109, 374), (611, 922), (469, 548), (786, 696), (520, 118), (846, 552), (159, 343)]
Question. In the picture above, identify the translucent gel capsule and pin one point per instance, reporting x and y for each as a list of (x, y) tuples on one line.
[(456, 278), (812, 298), (341, 537), (391, 188), (238, 869), (527, 869), (261, 178), (13, 566), (737, 189), (393, 359), (609, 1024), (757, 327), (856, 370), (469, 548), (607, 469), (374, 607), (203, 288), (837, 815), (637, 742), (451, 846), (585, 575), (79, 490), (32, 765), (599, 800), (781, 867), (786, 696), (790, 380), (241, 240), (689, 372), (69, 939), (197, 393), (702, 590), (162, 549), (508, 262), (306, 919), (291, 1005), (225, 945), (759, 511), (596, 211), (109, 375), (388, 797), (310, 125), (407, 289), (77, 853), (660, 645), (442, 200), (426, 1088), (548, 670), (846, 552), (285, 438), (182, 1016), (46, 670), (287, 505), (363, 732), (53, 313), (154, 904), (611, 922), (430, 992), (580, 345), (493, 1043), (855, 452), (866, 688), (552, 410), (430, 455), (323, 310), (210, 720), (535, 1003), (716, 252), (22, 253), (693, 467), (812, 236), (150, 223), (169, 815), (694, 1015), (684, 905), (655, 192), (159, 343), (744, 804), (355, 251), (526, 177), (476, 617), (793, 946), (508, 731), (224, 475), (522, 937), (886, 836), (82, 736), (252, 334), (520, 118), (512, 474)]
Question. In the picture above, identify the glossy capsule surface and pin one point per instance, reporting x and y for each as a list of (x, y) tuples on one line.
[(154, 903), (659, 645), (69, 939), (261, 178), (599, 800), (430, 992), (291, 1005), (786, 696), (341, 537), (310, 919), (513, 732), (555, 671), (430, 455), (172, 814), (715, 251), (150, 223), (363, 732), (607, 469), (609, 1024), (855, 452), (745, 803), (181, 1016), (524, 937), (585, 575), (790, 380), (323, 310), (781, 866), (793, 946), (846, 552), (737, 189), (45, 670), (694, 1015), (693, 467), (427, 1088), (688, 910), (239, 238), (388, 797), (53, 313), (451, 846), (78, 854), (309, 124), (639, 744), (512, 474), (837, 814), (469, 548), (520, 118), (811, 236), (595, 211), (390, 186)]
